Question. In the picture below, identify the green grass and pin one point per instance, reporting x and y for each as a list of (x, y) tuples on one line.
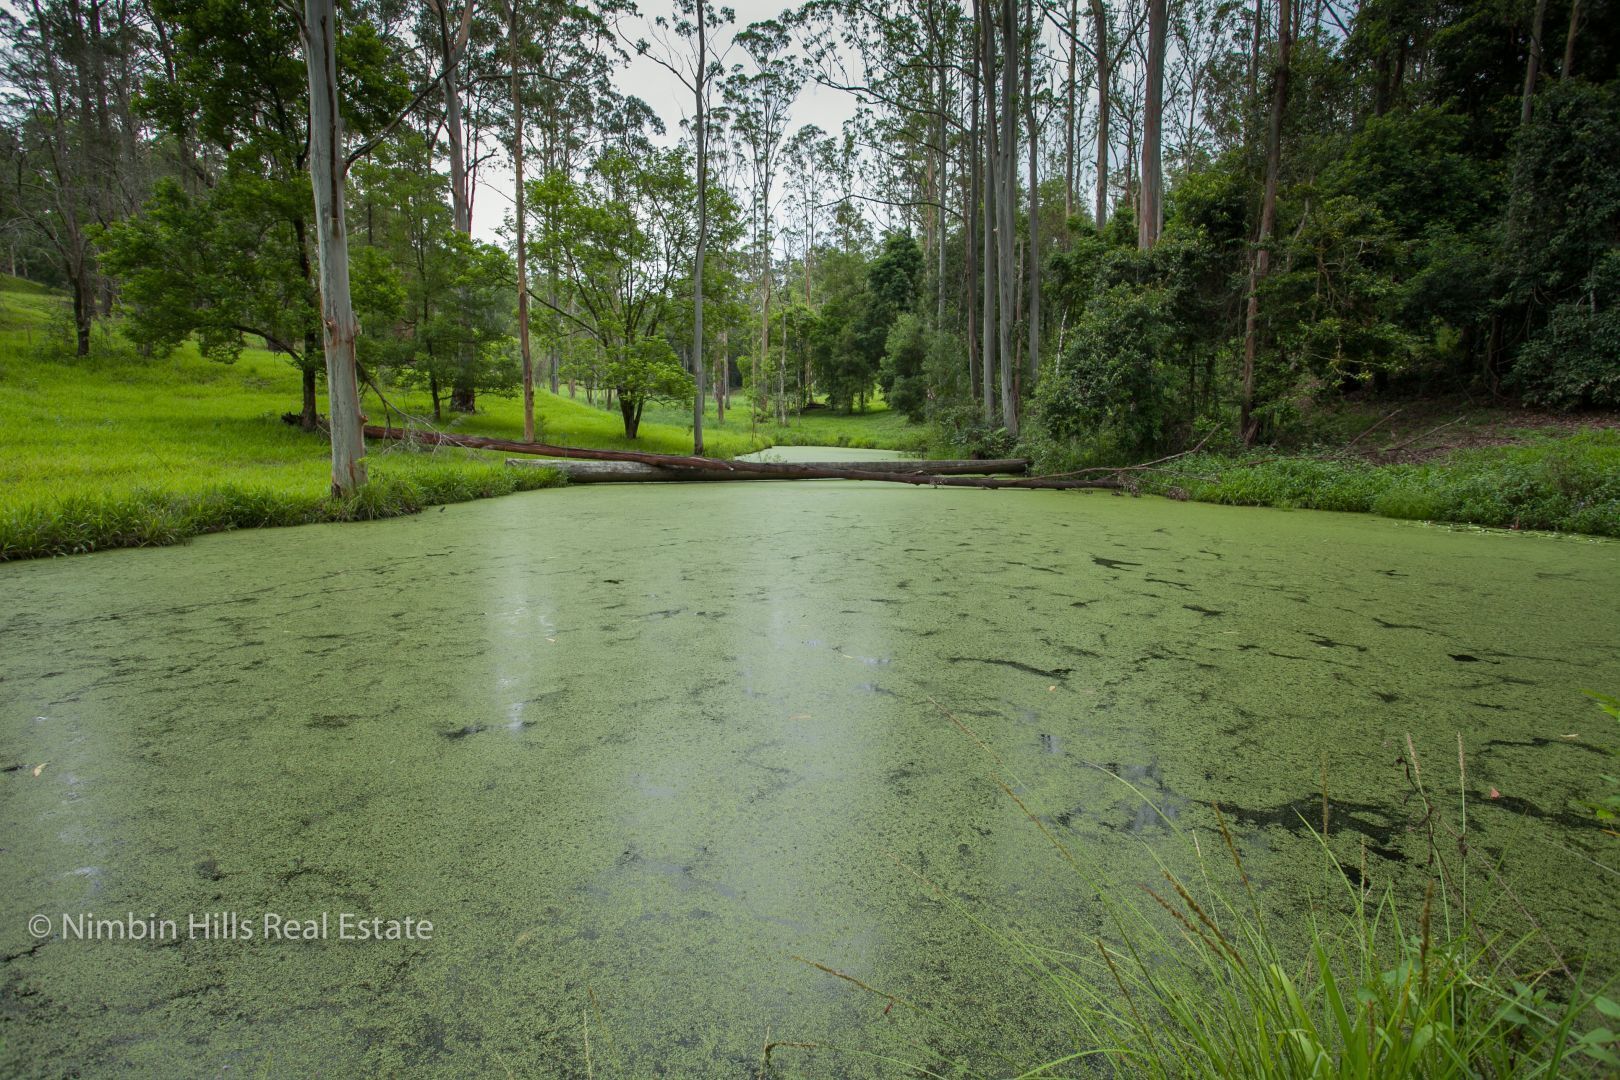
[(877, 428), (1566, 483), (116, 450)]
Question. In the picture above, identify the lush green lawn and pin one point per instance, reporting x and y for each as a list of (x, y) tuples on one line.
[(878, 427), (115, 449)]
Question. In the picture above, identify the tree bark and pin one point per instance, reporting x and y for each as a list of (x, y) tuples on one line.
[(1268, 218), (84, 309), (520, 214), (326, 170), (1532, 64), (453, 48), (309, 420), (1006, 266), (971, 219), (631, 413), (633, 472), (1105, 67), (1034, 251), (990, 184), (1151, 221), (939, 191), (463, 395), (1069, 111), (1568, 67), (700, 82)]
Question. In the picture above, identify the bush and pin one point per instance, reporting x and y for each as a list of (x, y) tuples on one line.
[(1574, 361), (903, 374), (1113, 381)]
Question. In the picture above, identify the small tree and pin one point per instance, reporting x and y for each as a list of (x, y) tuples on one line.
[(623, 243)]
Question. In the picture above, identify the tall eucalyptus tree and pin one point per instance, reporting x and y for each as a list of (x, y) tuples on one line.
[(757, 105), (1268, 214), (683, 49)]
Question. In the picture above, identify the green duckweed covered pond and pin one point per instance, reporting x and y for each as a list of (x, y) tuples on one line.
[(634, 751)]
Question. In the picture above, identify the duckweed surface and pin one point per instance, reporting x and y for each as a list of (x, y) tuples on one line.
[(636, 750)]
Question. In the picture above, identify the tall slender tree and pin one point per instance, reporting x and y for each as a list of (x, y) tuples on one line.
[(1105, 71), (520, 218), (327, 170), (1151, 219), (1268, 216), (682, 48)]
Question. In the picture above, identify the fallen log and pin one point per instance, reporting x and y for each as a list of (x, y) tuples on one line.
[(634, 472), (746, 470)]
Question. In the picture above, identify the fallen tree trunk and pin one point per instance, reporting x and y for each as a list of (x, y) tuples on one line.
[(745, 470), (635, 472)]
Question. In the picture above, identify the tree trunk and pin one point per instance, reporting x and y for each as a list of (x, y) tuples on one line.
[(1252, 107), (1532, 64), (988, 330), (84, 304), (310, 418), (939, 197), (1151, 221), (1007, 267), (1268, 218), (702, 232), (628, 472), (970, 230), (326, 170), (1568, 67), (520, 219), (1069, 112), (762, 380), (1034, 253), (1105, 67), (631, 415), (460, 210), (463, 396)]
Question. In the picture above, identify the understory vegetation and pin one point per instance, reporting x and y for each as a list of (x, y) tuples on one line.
[(1565, 482)]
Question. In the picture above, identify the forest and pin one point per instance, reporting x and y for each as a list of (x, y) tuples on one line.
[(1034, 538), (1094, 233)]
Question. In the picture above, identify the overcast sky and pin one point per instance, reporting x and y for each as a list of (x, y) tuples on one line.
[(828, 109)]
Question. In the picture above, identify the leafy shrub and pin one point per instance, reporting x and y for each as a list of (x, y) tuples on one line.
[(903, 375), (1113, 379), (963, 428), (1574, 361)]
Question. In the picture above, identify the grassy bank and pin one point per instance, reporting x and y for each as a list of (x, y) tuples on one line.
[(114, 450), (1564, 483), (117, 450), (1436, 460)]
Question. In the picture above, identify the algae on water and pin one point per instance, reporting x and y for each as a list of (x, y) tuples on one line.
[(634, 750)]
